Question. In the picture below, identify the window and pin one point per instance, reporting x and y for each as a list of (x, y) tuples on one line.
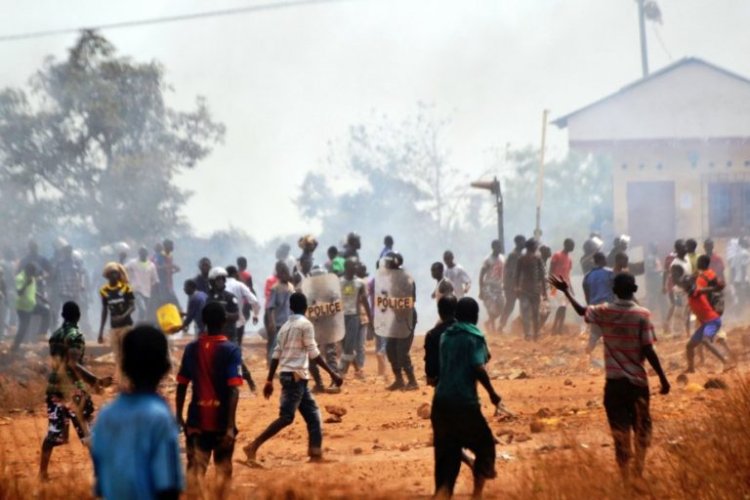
[(729, 208)]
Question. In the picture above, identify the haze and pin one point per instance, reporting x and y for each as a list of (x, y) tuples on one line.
[(287, 82)]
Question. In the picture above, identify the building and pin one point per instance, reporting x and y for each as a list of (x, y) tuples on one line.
[(679, 141)]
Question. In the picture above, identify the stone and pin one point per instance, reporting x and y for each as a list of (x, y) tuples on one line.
[(338, 411), (424, 411)]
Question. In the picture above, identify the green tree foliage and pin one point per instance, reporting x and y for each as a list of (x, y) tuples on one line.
[(92, 146)]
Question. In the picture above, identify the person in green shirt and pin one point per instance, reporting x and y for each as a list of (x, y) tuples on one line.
[(29, 304), (457, 420)]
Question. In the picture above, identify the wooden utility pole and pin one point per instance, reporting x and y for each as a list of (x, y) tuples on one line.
[(540, 181)]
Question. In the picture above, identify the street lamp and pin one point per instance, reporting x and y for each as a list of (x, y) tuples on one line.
[(493, 187)]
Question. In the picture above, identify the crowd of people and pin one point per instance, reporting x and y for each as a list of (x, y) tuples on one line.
[(221, 301)]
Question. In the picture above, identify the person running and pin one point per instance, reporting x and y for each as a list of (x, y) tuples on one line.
[(196, 302), (213, 365), (217, 279), (491, 286), (509, 279), (66, 397), (143, 278), (135, 443), (118, 301), (353, 297), (456, 274), (444, 286), (531, 287), (292, 355), (561, 265), (201, 279), (628, 337), (700, 292), (457, 420), (29, 303)]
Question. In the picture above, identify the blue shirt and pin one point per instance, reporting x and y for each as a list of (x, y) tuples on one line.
[(279, 302), (195, 310), (597, 286), (135, 448)]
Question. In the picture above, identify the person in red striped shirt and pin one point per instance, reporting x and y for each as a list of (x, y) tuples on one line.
[(628, 337)]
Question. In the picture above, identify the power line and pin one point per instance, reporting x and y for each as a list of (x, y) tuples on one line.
[(282, 4)]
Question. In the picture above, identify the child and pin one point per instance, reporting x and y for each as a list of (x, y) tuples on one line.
[(295, 348), (118, 301), (213, 364), (135, 441), (66, 398)]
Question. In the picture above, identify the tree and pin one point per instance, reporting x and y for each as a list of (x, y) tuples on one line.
[(92, 145)]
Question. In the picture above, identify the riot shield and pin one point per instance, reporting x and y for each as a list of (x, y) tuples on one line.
[(324, 307), (393, 303)]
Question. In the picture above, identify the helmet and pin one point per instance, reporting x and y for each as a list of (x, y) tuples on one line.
[(217, 272)]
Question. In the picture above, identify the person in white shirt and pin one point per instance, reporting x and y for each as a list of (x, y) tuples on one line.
[(457, 275), (244, 296), (294, 350), (143, 277)]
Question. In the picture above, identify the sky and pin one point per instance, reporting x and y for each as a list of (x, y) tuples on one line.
[(287, 83)]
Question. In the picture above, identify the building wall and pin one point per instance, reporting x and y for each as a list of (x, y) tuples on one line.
[(691, 166)]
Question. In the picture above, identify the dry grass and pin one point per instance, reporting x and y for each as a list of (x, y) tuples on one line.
[(705, 458)]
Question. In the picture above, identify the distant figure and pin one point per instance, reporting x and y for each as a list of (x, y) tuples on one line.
[(457, 420), (620, 245), (387, 246), (135, 441), (444, 287), (716, 263), (457, 275), (29, 303), (398, 349), (244, 274), (166, 268), (354, 298), (692, 246), (531, 288), (196, 302), (491, 286), (628, 336), (352, 246), (509, 278), (590, 247), (653, 277), (118, 301), (597, 284), (335, 262), (561, 266), (292, 354), (675, 293), (213, 365), (446, 307), (277, 305), (201, 279), (143, 278)]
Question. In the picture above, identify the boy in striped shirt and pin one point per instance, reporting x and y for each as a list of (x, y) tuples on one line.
[(628, 337)]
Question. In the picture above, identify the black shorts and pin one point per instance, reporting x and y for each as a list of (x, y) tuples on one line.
[(627, 407), (202, 444), (457, 428)]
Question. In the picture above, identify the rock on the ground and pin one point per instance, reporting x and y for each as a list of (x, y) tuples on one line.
[(715, 383), (333, 419), (337, 411), (424, 411)]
